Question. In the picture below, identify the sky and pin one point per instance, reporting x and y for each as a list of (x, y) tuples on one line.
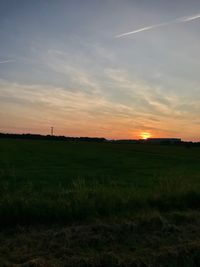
[(119, 69)]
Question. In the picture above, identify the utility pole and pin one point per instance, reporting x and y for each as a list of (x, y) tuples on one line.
[(51, 131)]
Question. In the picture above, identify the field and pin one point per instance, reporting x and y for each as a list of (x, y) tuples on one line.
[(98, 204)]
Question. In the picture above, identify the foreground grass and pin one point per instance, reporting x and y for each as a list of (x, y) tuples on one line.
[(86, 201), (90, 204), (48, 182), (151, 239)]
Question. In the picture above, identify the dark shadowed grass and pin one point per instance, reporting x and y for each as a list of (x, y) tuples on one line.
[(150, 239), (84, 200), (89, 204)]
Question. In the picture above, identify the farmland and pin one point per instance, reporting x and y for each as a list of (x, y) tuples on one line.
[(98, 204)]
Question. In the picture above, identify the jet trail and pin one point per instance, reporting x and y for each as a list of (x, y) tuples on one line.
[(186, 19), (7, 61), (147, 28)]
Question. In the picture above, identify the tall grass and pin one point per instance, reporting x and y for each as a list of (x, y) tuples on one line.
[(82, 199)]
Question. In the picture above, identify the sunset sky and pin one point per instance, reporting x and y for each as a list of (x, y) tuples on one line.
[(106, 68)]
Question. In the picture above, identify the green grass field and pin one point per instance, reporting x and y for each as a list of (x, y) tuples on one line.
[(98, 204)]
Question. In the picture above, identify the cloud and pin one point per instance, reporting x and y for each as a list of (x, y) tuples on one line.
[(142, 96), (151, 27), (7, 61), (72, 113), (30, 107), (134, 106)]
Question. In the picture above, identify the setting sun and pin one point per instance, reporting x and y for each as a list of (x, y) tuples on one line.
[(145, 135)]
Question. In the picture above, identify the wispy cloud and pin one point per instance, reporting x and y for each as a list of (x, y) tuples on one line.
[(147, 28), (74, 113), (7, 61)]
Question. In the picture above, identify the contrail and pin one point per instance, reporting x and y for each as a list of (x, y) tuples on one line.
[(147, 28), (186, 19), (6, 61)]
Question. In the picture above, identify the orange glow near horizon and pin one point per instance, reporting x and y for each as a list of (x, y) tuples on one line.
[(145, 135)]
